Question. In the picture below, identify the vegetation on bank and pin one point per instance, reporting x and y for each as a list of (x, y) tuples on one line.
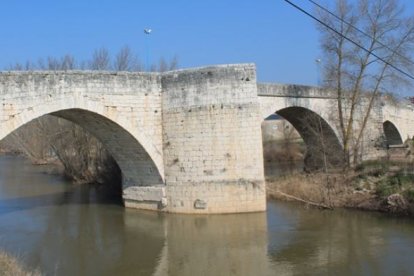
[(10, 266), (360, 72), (385, 186), (367, 47)]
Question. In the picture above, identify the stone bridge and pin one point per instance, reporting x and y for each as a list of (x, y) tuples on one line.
[(186, 141), (390, 124)]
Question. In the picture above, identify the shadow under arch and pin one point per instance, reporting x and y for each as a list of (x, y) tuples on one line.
[(323, 148), (392, 135), (137, 167), (135, 163)]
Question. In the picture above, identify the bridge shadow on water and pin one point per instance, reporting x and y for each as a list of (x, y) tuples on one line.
[(74, 194)]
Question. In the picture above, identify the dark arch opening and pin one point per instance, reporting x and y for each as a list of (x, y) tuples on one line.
[(138, 168), (323, 149), (392, 135), (136, 165)]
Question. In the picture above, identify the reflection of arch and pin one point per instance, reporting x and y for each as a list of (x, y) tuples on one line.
[(392, 135), (137, 166), (321, 142)]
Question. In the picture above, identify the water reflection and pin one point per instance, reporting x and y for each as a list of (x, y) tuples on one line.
[(66, 229), (217, 245), (340, 243), (79, 230)]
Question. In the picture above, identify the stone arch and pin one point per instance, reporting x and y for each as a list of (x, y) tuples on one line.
[(322, 144), (134, 157), (392, 135)]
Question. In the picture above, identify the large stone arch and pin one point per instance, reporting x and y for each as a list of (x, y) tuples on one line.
[(322, 144), (392, 135), (139, 160)]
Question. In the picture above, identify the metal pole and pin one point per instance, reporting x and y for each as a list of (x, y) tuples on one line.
[(147, 33)]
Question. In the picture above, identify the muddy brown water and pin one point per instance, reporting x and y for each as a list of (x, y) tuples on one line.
[(63, 229)]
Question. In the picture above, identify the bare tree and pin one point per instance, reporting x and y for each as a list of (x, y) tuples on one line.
[(125, 60), (53, 63), (68, 62), (15, 67), (163, 66), (173, 63), (100, 60), (372, 38)]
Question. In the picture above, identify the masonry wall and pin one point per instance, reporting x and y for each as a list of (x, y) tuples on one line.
[(274, 97), (212, 140), (401, 115), (123, 110), (186, 141)]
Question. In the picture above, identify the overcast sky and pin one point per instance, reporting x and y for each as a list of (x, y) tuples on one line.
[(281, 41)]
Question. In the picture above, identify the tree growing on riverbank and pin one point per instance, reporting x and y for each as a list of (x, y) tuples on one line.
[(367, 48)]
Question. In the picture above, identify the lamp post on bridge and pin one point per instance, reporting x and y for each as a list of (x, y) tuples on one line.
[(147, 32), (318, 71)]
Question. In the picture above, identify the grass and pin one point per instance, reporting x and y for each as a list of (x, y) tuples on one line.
[(391, 177), (365, 188), (397, 183), (320, 188), (368, 186)]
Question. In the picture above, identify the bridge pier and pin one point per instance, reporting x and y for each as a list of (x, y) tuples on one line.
[(211, 144), (212, 140)]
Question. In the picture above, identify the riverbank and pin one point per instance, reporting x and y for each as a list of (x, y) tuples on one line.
[(380, 187), (11, 266)]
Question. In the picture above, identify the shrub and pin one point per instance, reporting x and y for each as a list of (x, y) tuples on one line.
[(388, 186), (409, 195)]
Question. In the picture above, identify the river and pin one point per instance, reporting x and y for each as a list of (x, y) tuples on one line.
[(64, 229)]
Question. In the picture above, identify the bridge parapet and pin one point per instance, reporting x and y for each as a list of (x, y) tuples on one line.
[(293, 91)]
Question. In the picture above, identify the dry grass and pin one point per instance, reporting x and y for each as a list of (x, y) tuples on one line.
[(332, 190), (10, 266)]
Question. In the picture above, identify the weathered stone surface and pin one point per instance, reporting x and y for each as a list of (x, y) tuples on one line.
[(200, 204), (181, 137), (290, 101), (145, 193), (212, 140)]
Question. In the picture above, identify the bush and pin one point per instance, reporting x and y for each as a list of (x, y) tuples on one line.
[(406, 179), (388, 186), (409, 195), (373, 167), (384, 190), (396, 184)]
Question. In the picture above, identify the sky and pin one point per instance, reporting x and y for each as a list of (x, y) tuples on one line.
[(281, 41)]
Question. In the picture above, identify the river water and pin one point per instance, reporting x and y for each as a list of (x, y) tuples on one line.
[(63, 229)]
